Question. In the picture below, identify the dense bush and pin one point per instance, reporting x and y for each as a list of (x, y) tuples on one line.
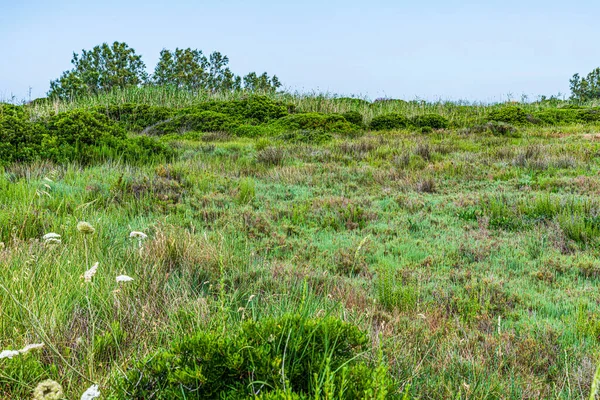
[(354, 117), (270, 355), (433, 121), (77, 135), (136, 117), (556, 116), (510, 114), (590, 115), (257, 109), (389, 121), (204, 121), (316, 121)]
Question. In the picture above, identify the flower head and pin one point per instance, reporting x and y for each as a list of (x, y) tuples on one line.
[(48, 390), (89, 274), (51, 235), (137, 234), (85, 228), (91, 393), (124, 278), (30, 347), (53, 241), (8, 353)]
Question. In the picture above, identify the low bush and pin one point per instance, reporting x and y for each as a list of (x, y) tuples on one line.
[(510, 114), (256, 109), (288, 353), (590, 115), (333, 123), (205, 121), (306, 136), (77, 135), (433, 121), (556, 116), (389, 121), (354, 117), (136, 117)]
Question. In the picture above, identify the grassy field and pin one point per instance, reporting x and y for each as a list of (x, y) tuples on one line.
[(469, 261)]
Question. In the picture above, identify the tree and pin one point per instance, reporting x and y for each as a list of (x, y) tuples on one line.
[(262, 83), (103, 68), (588, 88), (182, 68)]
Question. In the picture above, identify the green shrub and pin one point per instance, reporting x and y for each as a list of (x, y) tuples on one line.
[(433, 121), (77, 135), (509, 114), (290, 352), (316, 121), (590, 115), (205, 121), (313, 136), (136, 117), (389, 121), (354, 117), (557, 116), (257, 109)]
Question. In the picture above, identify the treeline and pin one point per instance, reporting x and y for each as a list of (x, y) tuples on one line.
[(106, 67)]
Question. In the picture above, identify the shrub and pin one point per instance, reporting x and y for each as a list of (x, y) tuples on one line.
[(291, 352), (556, 116), (388, 122), (590, 115), (307, 136), (510, 114), (433, 121), (136, 117), (258, 109), (205, 121), (354, 117), (77, 135), (316, 121)]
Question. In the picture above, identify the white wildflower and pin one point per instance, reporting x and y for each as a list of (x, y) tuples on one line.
[(51, 235), (30, 347), (91, 393), (85, 228), (89, 274), (124, 278), (8, 353), (48, 390), (138, 234), (53, 241)]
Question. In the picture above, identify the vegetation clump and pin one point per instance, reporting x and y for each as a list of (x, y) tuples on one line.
[(389, 122), (204, 121), (510, 114), (433, 121), (292, 353)]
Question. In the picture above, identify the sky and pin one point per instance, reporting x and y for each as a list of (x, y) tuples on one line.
[(478, 51)]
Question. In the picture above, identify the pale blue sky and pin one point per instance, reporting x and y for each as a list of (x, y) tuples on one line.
[(470, 50)]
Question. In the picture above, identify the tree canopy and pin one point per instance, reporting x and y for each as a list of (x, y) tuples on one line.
[(117, 66)]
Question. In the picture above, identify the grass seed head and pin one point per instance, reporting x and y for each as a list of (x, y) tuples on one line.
[(85, 228)]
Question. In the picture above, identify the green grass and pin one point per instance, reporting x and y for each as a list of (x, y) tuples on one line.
[(468, 260)]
